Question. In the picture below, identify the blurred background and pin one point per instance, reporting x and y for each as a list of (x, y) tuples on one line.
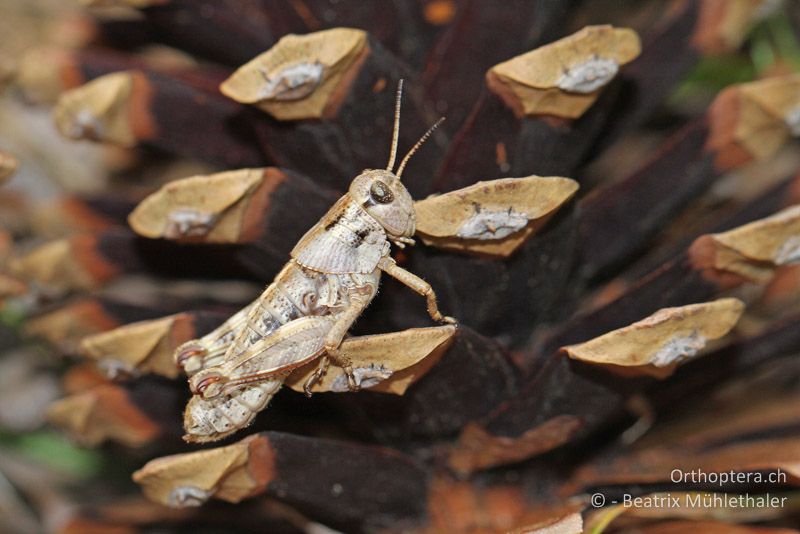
[(54, 479)]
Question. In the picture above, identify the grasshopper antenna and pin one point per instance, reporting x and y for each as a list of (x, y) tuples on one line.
[(416, 146), (396, 131)]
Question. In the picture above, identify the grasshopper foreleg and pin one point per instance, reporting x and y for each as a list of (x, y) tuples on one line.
[(417, 284)]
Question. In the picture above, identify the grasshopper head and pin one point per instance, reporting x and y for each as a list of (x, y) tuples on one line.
[(382, 194), (386, 199)]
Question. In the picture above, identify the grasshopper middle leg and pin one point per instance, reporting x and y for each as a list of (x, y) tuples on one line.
[(359, 299), (416, 283)]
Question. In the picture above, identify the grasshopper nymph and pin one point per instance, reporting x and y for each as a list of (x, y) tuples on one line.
[(306, 312)]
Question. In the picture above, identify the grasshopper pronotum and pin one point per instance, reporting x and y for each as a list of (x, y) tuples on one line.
[(305, 313)]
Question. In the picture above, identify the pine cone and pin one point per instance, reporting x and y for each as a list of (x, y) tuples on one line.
[(617, 243)]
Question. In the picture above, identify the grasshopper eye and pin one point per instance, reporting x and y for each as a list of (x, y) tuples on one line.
[(380, 192)]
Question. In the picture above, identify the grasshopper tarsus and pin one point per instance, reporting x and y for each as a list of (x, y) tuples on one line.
[(320, 371), (352, 383)]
